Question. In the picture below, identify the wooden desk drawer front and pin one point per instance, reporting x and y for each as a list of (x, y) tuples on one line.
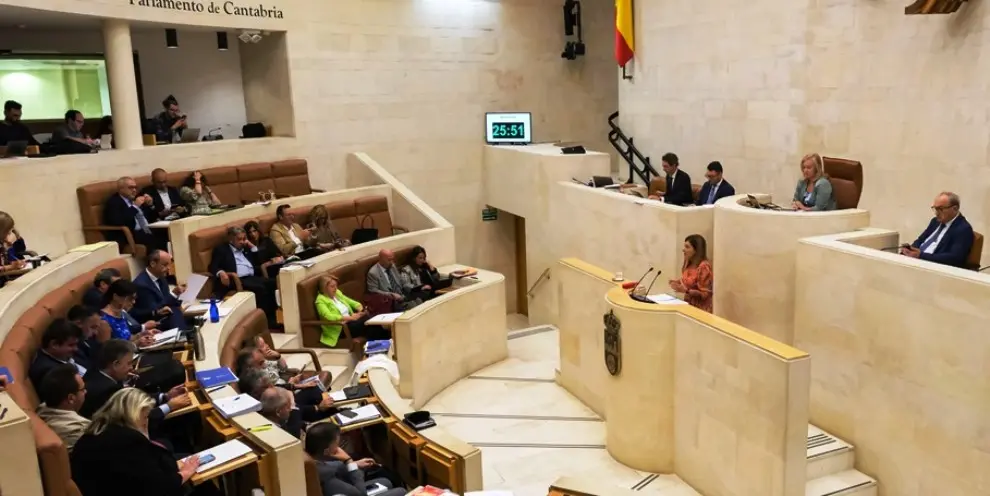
[(405, 447), (441, 468)]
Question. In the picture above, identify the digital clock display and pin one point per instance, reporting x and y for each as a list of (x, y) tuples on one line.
[(508, 127)]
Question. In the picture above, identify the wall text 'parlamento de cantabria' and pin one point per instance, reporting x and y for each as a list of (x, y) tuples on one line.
[(225, 8)]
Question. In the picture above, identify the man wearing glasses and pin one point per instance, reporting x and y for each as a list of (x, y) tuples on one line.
[(124, 210), (948, 238), (72, 129)]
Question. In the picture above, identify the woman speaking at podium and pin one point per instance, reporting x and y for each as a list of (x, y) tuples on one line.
[(696, 276)]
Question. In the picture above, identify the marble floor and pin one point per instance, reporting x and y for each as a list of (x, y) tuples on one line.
[(530, 430)]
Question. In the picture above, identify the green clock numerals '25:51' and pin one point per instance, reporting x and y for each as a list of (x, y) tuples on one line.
[(508, 130)]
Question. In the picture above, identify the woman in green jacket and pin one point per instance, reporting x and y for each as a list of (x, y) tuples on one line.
[(333, 306)]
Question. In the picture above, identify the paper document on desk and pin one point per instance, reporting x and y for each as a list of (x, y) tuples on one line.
[(233, 406), (383, 318), (194, 284), (164, 338), (224, 453), (338, 395), (366, 412), (665, 299)]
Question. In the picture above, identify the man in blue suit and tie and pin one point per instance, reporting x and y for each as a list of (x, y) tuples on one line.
[(948, 238), (155, 301), (716, 187)]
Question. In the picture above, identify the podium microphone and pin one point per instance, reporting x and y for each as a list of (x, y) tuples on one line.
[(645, 298), (636, 284)]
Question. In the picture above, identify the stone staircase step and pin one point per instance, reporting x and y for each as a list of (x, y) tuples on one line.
[(827, 454), (845, 483), (340, 375), (285, 340), (299, 360)]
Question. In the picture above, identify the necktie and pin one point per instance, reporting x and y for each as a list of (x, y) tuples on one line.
[(163, 287), (142, 221), (931, 239), (711, 195), (391, 281)]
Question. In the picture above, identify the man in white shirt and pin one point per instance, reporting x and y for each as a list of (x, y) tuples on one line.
[(949, 236), (289, 237), (62, 393)]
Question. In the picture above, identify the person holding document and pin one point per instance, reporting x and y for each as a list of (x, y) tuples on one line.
[(155, 301), (696, 275), (338, 310), (116, 457)]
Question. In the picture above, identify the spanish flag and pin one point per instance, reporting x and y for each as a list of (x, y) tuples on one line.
[(624, 48)]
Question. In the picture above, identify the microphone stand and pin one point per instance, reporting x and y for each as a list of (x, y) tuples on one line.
[(645, 298)]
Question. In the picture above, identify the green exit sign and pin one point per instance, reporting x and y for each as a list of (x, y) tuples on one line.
[(489, 213)]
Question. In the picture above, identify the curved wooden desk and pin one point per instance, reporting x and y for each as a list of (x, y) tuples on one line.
[(754, 276), (284, 473), (433, 455), (451, 336)]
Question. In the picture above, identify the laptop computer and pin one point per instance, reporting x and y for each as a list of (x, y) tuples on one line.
[(190, 135), (16, 148)]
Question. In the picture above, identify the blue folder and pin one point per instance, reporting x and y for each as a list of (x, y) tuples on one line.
[(215, 377), (4, 371), (375, 347)]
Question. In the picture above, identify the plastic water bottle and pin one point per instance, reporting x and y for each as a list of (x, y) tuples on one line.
[(214, 311)]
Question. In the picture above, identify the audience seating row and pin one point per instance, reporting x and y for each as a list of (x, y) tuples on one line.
[(235, 184), (347, 215), (352, 282), (17, 351), (245, 334)]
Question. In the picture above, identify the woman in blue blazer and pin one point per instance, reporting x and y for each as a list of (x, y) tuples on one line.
[(813, 191)]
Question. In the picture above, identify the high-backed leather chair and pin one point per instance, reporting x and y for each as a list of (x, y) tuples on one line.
[(352, 282), (975, 253), (846, 177), (244, 334), (17, 352)]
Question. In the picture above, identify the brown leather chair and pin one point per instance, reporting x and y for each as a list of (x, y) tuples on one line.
[(16, 353), (846, 177), (657, 185), (292, 178), (92, 198), (975, 253), (352, 282), (254, 179), (244, 335)]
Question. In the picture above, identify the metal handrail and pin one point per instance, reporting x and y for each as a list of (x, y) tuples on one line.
[(630, 153), (546, 274)]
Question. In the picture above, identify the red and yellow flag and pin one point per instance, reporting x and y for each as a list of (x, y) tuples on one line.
[(624, 48)]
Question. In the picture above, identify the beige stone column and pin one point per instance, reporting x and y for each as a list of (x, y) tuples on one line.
[(119, 55), (639, 400)]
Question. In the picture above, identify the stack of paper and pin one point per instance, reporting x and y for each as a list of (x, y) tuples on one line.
[(361, 414), (665, 299), (233, 406), (164, 338), (383, 318), (223, 453)]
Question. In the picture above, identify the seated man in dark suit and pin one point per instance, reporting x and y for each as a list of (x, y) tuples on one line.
[(238, 256), (155, 301), (678, 190), (165, 199), (340, 475), (948, 238), (114, 368), (59, 343), (716, 187), (124, 210), (89, 321), (93, 297)]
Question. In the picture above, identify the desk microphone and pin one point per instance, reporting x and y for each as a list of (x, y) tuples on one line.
[(653, 282), (636, 284), (644, 298)]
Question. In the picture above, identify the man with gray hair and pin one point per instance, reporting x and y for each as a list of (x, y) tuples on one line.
[(235, 267), (948, 238), (278, 406), (123, 212)]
